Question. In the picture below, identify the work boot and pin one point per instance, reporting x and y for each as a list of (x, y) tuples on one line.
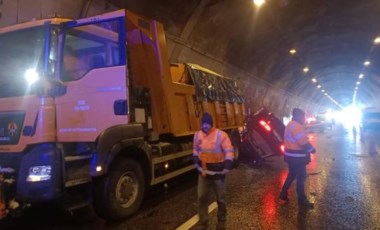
[(306, 204), (200, 226), (283, 200), (221, 225)]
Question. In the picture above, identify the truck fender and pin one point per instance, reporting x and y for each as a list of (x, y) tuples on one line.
[(126, 139)]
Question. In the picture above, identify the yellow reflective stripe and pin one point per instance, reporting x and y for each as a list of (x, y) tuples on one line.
[(299, 136), (294, 154), (228, 150), (230, 155)]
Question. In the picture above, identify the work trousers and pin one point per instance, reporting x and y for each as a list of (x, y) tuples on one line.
[(205, 186), (296, 170)]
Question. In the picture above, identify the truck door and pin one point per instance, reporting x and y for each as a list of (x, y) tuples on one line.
[(92, 66)]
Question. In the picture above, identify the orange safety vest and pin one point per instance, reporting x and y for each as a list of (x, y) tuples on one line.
[(212, 148), (295, 137)]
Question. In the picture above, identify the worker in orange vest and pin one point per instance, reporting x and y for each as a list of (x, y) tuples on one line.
[(297, 155), (213, 156)]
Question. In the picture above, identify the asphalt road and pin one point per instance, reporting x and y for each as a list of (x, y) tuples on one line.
[(343, 182)]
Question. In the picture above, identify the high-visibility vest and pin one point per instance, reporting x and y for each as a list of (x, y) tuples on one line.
[(212, 149), (295, 138)]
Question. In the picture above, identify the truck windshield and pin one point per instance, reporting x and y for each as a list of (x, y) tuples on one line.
[(21, 50)]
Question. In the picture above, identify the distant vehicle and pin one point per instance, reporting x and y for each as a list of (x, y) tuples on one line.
[(317, 123), (370, 123), (262, 137)]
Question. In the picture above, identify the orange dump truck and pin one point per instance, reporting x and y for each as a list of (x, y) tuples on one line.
[(91, 112)]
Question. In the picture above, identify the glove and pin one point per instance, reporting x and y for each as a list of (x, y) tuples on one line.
[(225, 171), (312, 150), (196, 161)]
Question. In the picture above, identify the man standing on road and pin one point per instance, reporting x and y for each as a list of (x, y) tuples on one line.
[(213, 156), (297, 155)]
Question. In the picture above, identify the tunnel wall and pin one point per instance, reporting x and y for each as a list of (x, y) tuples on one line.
[(256, 91)]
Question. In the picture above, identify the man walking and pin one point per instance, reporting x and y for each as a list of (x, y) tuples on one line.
[(297, 155), (213, 156)]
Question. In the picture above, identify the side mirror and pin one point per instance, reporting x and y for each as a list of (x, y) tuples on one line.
[(51, 88), (57, 89)]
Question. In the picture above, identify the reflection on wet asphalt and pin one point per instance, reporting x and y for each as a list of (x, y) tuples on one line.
[(343, 181)]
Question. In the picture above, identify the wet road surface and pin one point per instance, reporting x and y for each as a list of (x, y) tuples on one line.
[(343, 181)]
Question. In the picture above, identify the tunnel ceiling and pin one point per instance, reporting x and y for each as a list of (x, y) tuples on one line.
[(332, 38)]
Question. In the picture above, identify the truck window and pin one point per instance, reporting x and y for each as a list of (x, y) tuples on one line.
[(21, 51), (89, 47)]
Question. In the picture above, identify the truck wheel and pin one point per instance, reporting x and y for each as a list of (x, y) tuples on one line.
[(120, 193)]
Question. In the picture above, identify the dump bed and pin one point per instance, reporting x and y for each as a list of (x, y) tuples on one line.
[(170, 99), (198, 90)]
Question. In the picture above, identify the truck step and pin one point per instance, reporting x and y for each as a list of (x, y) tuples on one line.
[(267, 155), (72, 207), (77, 181), (77, 158)]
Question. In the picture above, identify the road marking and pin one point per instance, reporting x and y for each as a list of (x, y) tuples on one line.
[(193, 220)]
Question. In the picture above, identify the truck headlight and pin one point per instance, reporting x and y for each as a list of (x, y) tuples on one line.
[(31, 76), (39, 173)]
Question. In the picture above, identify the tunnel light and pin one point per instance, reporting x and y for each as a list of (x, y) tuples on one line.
[(326, 94), (293, 51), (258, 2), (356, 88), (367, 63), (306, 69), (319, 86), (361, 76), (314, 80), (358, 82), (322, 90), (377, 40)]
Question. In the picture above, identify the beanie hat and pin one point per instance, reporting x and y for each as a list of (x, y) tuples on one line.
[(207, 118), (298, 112)]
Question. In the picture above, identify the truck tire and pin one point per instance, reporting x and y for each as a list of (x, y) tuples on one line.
[(120, 193)]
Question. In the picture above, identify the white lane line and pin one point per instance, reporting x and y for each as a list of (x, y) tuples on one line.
[(193, 220)]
